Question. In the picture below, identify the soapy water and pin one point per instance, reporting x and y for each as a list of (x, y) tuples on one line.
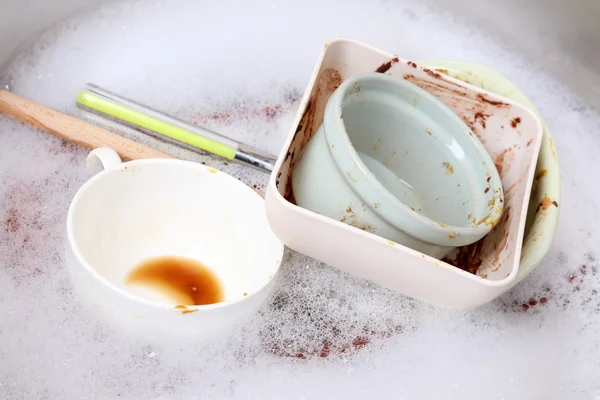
[(241, 70)]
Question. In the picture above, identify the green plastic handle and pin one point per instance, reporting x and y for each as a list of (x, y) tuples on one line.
[(164, 128)]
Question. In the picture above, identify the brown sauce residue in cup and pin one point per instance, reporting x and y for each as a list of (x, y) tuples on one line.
[(185, 280)]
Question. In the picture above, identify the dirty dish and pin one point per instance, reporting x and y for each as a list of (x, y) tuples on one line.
[(146, 238), (393, 160), (511, 134)]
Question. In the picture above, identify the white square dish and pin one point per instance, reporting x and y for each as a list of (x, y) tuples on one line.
[(511, 134)]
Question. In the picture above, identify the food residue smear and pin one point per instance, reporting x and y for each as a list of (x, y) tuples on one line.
[(185, 280)]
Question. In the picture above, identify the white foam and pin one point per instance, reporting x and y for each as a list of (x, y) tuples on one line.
[(241, 70)]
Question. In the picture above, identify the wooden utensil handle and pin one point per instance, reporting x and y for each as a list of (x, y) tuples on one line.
[(72, 129)]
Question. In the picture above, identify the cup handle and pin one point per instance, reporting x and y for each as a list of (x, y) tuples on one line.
[(107, 157)]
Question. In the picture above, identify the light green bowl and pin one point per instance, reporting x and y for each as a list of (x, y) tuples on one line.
[(542, 213)]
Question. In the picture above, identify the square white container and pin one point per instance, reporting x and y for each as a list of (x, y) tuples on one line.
[(511, 133)]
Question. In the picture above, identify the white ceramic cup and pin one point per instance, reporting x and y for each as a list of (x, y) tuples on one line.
[(134, 211)]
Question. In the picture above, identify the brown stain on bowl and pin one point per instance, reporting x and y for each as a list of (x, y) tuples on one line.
[(481, 118), (502, 243), (448, 167), (185, 280), (363, 227), (432, 73), (541, 174), (545, 204), (185, 310), (352, 219), (383, 68), (439, 90), (495, 103), (484, 220), (468, 258), (473, 108), (327, 81), (515, 122), (504, 160)]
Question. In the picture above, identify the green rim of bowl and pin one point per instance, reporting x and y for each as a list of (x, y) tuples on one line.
[(543, 209)]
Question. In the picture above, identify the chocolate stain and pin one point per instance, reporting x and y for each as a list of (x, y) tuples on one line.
[(448, 167), (545, 204), (541, 174), (504, 160), (468, 258), (432, 73), (383, 68), (492, 102), (328, 80), (502, 244), (481, 118)]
